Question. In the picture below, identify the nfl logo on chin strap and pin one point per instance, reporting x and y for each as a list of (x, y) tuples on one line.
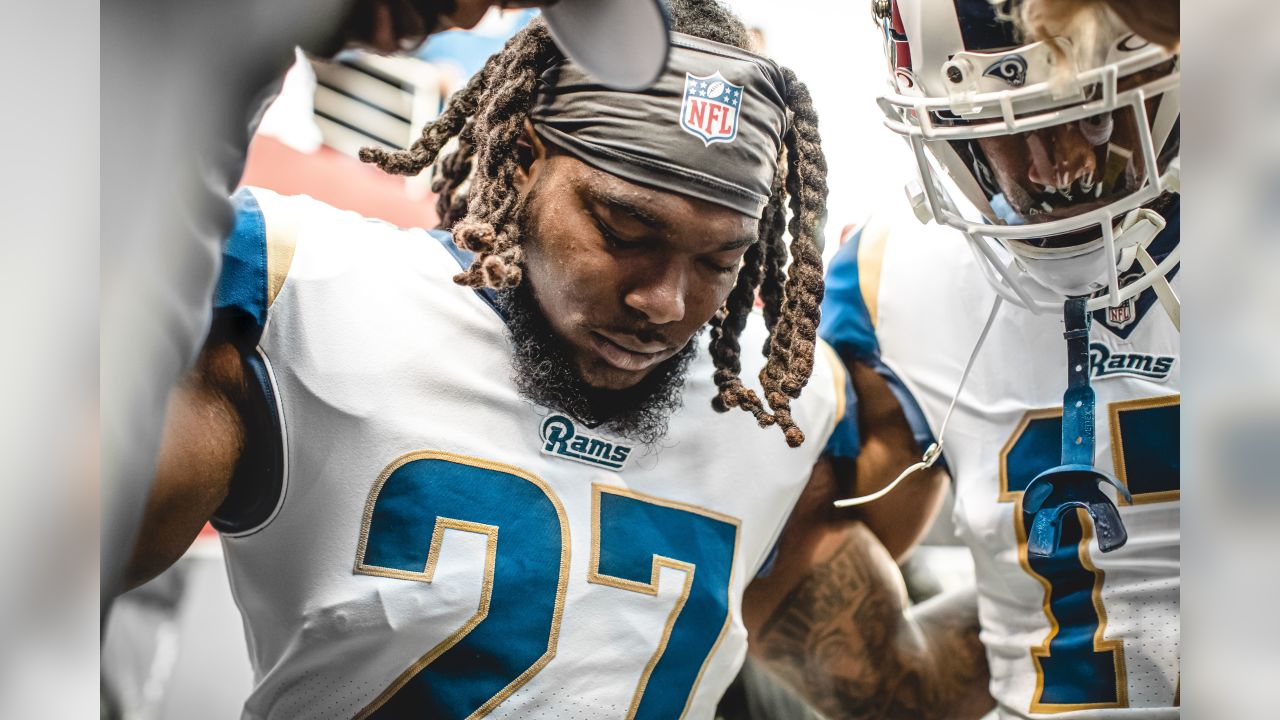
[(710, 108)]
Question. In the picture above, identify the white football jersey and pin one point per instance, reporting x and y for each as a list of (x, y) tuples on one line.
[(440, 547), (1081, 634)]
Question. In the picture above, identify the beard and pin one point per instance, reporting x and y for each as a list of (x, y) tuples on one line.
[(544, 374)]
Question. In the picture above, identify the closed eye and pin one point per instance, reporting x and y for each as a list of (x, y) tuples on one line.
[(612, 240), (719, 268)]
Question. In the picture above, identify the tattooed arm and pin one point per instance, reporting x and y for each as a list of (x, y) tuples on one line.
[(832, 618), (838, 630)]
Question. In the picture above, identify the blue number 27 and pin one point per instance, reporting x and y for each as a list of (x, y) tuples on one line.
[(514, 632)]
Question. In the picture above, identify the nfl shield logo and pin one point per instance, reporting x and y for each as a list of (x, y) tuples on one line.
[(710, 108), (1126, 313), (1121, 316)]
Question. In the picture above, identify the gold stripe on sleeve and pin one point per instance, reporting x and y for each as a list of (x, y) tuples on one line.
[(870, 264)]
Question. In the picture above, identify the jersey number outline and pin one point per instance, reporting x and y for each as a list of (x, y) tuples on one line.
[(515, 630), (1077, 668), (628, 551)]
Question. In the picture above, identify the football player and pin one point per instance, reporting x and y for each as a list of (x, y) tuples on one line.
[(165, 210), (1031, 338), (518, 469)]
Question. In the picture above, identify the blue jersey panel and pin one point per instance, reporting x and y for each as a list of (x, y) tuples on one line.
[(845, 441), (846, 322), (242, 297), (242, 287), (848, 328)]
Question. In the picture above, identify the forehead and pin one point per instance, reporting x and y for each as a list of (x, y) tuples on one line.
[(663, 211)]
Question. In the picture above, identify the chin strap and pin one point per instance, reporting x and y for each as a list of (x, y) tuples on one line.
[(1164, 291), (1138, 229), (934, 451), (1076, 483)]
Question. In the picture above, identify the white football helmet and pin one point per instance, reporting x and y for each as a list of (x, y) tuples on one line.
[(1065, 168)]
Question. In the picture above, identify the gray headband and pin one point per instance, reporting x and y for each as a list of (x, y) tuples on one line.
[(711, 127)]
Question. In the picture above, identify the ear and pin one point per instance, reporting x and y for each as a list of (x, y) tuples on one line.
[(530, 154)]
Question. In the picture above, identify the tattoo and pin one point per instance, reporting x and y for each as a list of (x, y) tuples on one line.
[(843, 639)]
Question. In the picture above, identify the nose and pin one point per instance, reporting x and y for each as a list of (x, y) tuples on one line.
[(1059, 156), (660, 296)]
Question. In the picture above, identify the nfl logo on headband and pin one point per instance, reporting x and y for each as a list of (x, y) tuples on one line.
[(710, 108)]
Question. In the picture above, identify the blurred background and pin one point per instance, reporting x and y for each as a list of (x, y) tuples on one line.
[(327, 110), (184, 632), (1231, 413)]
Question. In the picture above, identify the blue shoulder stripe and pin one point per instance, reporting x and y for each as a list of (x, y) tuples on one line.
[(242, 286), (845, 440), (848, 328), (242, 298), (846, 321)]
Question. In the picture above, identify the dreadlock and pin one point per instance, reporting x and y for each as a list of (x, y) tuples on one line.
[(487, 117)]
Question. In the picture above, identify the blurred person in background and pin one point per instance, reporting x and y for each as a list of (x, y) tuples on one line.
[(184, 84), (1057, 162), (460, 54)]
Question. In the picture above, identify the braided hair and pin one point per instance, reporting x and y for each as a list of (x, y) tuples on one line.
[(487, 117)]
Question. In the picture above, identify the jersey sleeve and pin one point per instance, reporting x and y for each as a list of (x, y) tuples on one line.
[(255, 262), (847, 322), (850, 309), (256, 258), (844, 441)]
